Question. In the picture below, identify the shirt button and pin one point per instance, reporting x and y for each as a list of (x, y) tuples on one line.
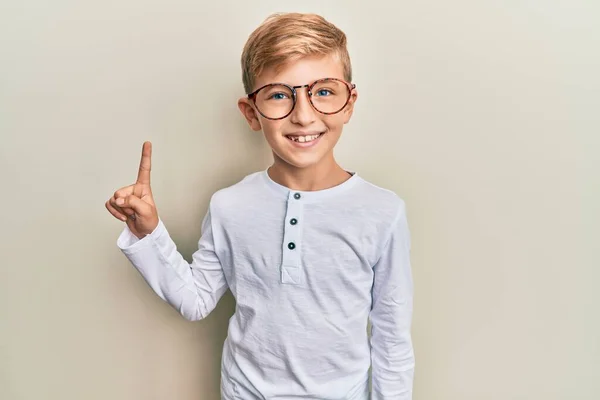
[(293, 221), (297, 196), (291, 246)]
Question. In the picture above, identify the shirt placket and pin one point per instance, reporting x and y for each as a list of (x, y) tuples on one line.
[(291, 266)]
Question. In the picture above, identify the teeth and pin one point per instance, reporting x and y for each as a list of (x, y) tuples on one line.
[(303, 139)]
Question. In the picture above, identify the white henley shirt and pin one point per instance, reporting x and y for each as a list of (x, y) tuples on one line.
[(307, 270)]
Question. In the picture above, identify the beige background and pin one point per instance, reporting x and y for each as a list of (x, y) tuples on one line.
[(482, 115)]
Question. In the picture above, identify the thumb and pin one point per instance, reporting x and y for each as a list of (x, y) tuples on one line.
[(138, 205)]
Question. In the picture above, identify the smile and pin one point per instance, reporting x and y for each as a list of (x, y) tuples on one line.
[(305, 138)]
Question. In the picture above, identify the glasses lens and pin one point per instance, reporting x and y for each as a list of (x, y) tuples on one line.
[(275, 101), (329, 96)]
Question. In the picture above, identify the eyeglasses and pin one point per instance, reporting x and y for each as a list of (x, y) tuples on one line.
[(277, 100)]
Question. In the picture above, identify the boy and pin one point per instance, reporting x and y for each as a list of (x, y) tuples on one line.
[(309, 250)]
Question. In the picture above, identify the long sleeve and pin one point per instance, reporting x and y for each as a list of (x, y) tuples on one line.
[(392, 355), (193, 290)]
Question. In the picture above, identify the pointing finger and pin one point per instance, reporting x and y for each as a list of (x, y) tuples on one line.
[(145, 164)]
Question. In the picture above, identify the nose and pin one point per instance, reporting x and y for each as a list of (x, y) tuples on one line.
[(303, 114)]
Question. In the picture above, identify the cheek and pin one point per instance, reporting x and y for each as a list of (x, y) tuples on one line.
[(271, 129), (334, 123)]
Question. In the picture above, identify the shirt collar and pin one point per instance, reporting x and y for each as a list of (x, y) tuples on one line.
[(309, 195)]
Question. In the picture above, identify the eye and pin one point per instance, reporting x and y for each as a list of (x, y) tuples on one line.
[(324, 92), (278, 96)]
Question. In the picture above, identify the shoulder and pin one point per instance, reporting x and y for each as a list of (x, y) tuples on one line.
[(371, 214), (376, 209), (382, 211), (238, 194), (383, 203)]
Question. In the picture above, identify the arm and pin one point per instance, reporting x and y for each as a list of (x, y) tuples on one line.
[(392, 356), (193, 290)]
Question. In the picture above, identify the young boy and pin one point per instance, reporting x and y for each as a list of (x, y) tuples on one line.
[(309, 250)]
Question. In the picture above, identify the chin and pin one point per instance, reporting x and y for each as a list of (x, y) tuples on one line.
[(302, 162)]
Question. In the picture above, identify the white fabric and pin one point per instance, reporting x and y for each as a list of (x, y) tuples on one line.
[(299, 330)]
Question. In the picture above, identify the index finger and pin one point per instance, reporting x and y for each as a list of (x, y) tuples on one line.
[(145, 164)]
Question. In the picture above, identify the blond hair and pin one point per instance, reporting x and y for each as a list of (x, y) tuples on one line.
[(285, 37)]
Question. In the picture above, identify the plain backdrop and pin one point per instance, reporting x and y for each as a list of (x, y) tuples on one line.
[(482, 115)]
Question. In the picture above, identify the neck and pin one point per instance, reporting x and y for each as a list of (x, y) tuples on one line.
[(324, 175)]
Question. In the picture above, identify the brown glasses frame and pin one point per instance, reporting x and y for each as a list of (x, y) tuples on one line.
[(349, 86)]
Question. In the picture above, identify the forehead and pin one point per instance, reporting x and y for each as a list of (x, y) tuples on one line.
[(302, 71)]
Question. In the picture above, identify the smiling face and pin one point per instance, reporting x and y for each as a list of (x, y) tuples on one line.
[(306, 137)]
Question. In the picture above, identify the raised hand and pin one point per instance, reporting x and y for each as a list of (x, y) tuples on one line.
[(134, 204)]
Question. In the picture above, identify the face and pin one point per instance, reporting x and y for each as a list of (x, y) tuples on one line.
[(283, 135)]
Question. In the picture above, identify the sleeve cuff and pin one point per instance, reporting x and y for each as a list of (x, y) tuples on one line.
[(129, 243)]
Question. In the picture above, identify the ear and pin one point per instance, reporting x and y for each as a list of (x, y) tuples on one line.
[(248, 111), (349, 109)]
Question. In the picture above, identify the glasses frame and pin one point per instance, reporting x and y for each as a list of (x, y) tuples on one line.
[(293, 89)]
